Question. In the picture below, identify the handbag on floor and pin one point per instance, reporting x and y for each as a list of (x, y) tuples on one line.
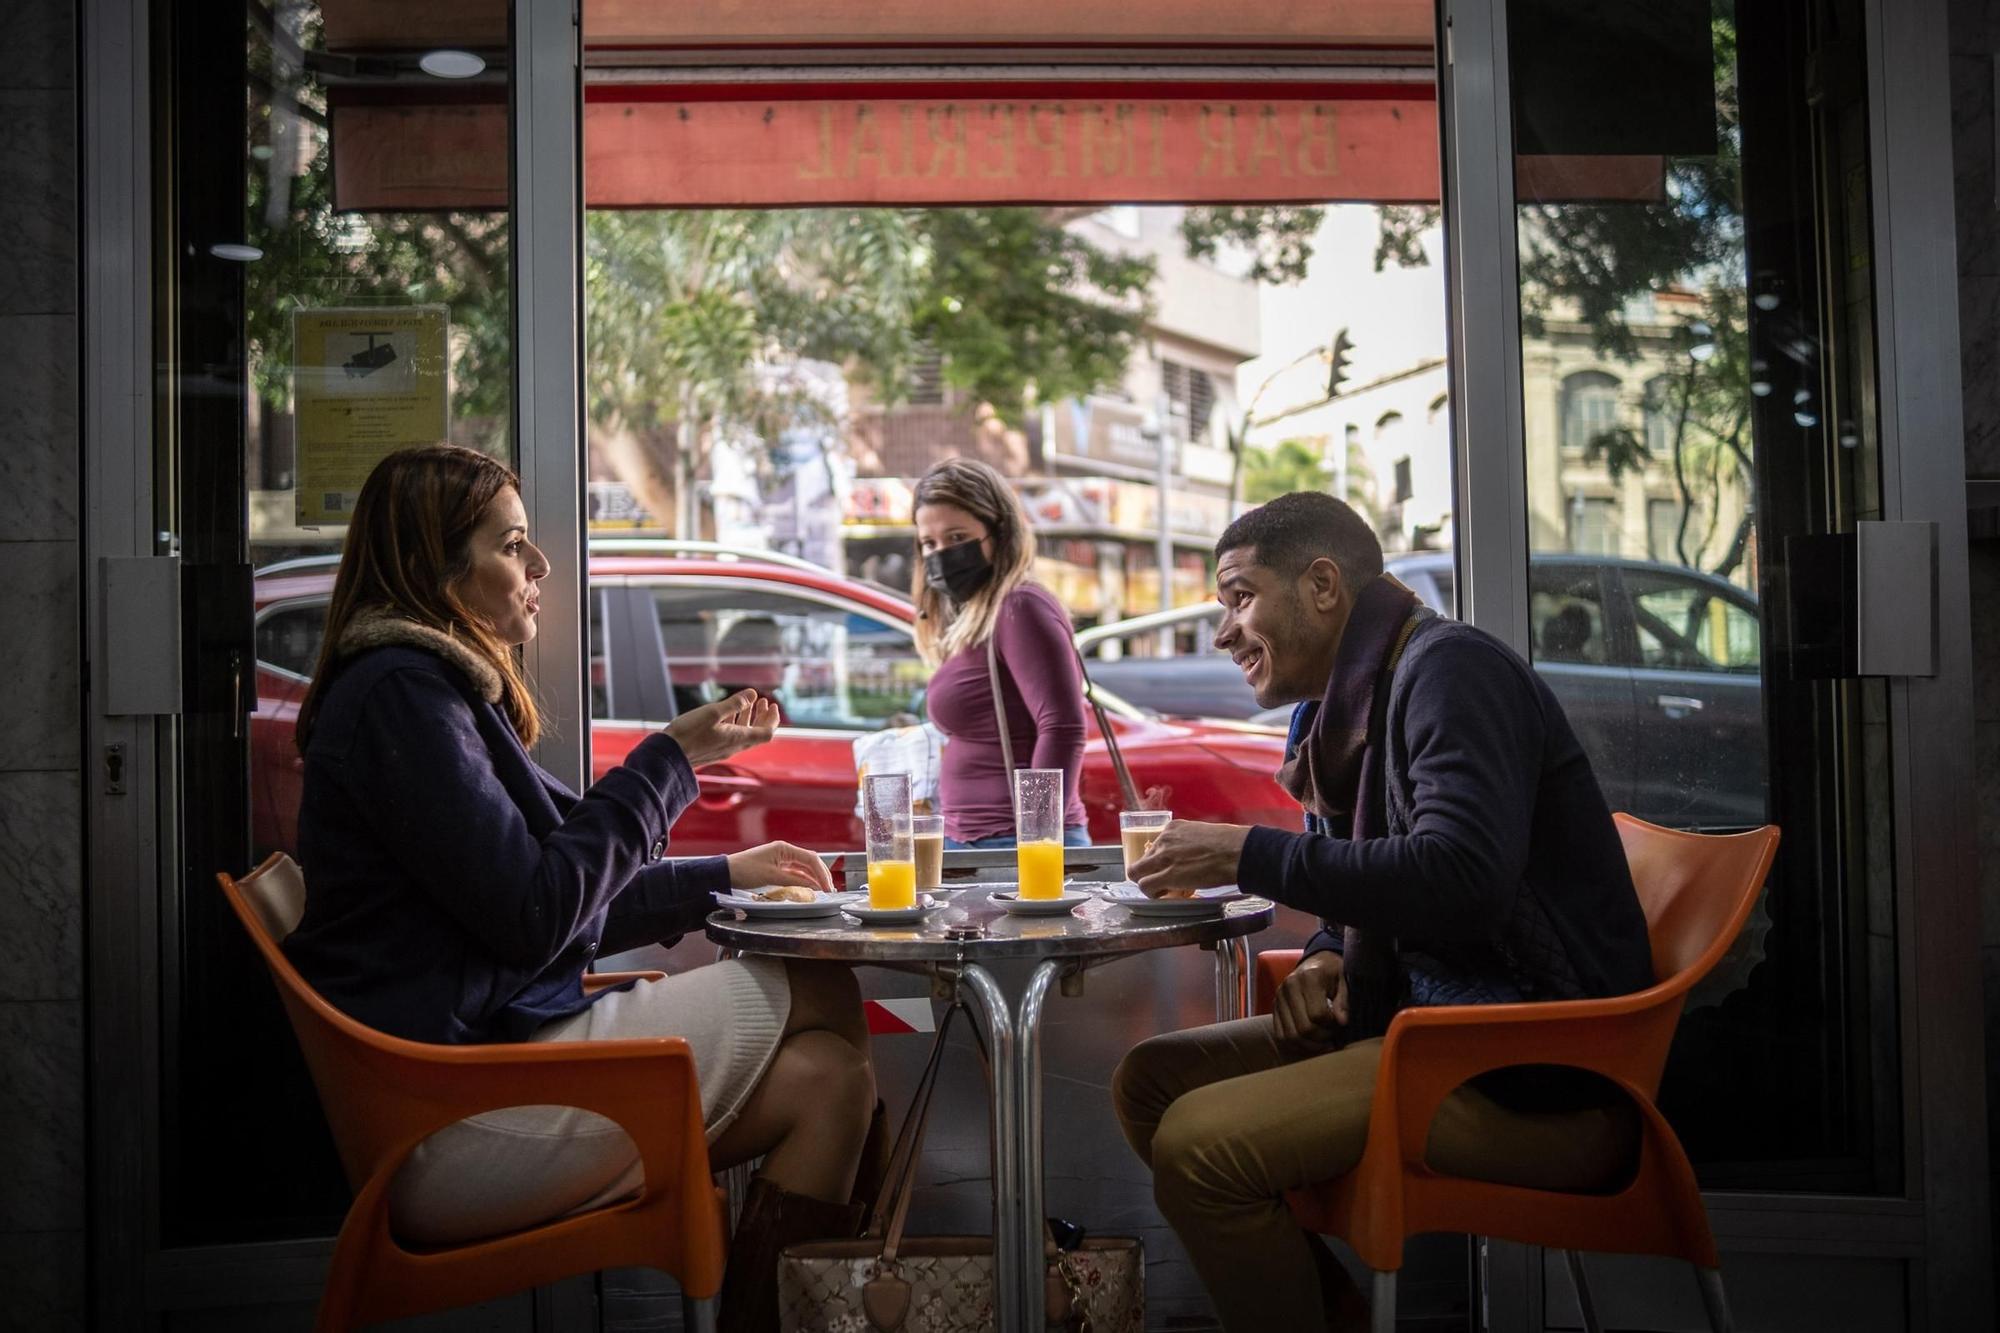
[(944, 1284)]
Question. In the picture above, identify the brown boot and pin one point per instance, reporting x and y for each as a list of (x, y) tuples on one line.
[(874, 1160), (773, 1217)]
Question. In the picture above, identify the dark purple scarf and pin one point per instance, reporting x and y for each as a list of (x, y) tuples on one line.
[(1336, 774)]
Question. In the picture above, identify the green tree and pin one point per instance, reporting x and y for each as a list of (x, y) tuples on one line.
[(686, 311), (1596, 262), (689, 311), (1281, 469)]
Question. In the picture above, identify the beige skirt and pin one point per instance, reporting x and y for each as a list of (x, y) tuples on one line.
[(510, 1169)]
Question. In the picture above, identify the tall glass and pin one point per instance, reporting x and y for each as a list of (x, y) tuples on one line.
[(928, 835), (1137, 829), (1038, 831), (892, 871)]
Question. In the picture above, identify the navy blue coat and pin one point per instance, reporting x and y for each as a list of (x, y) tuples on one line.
[(1499, 871), (456, 891)]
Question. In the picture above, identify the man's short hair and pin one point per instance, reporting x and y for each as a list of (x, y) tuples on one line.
[(1292, 531)]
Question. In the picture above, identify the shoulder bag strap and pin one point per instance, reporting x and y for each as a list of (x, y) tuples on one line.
[(999, 703), (892, 1205), (1126, 788)]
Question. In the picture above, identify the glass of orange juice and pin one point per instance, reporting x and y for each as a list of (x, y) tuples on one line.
[(892, 870), (1038, 831)]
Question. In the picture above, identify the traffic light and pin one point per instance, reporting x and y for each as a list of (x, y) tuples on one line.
[(1337, 362)]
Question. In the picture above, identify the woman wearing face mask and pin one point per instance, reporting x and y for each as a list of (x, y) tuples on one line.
[(971, 587)]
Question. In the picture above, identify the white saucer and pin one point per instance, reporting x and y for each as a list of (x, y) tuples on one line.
[(823, 904), (892, 916), (1069, 902), (1209, 902), (1201, 905)]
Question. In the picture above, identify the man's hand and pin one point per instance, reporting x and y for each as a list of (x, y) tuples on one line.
[(1313, 1000), (714, 732), (778, 863), (1188, 857)]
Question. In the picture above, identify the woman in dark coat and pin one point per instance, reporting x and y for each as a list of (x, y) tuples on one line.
[(457, 892)]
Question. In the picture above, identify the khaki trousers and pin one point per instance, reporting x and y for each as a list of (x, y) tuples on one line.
[(1229, 1117)]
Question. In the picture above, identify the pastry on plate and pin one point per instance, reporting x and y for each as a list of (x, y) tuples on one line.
[(786, 893)]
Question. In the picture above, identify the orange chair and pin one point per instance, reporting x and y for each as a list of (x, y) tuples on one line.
[(1696, 891), (383, 1095)]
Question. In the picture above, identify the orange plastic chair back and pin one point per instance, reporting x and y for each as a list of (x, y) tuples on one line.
[(383, 1096), (1696, 890)]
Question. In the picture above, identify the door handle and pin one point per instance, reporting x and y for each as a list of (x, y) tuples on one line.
[(1678, 705), (726, 788)]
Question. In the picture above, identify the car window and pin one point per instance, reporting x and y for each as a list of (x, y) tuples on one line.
[(1566, 615), (826, 666), (1683, 625), (288, 638)]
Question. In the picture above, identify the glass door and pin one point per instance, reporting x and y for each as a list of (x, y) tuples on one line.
[(1697, 355), (336, 247), (1683, 470)]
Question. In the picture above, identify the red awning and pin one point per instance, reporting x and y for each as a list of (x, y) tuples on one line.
[(1365, 27), (701, 146)]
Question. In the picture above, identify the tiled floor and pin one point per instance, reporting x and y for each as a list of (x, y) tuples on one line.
[(1092, 1176)]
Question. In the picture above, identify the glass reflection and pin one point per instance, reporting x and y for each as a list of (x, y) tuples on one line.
[(1693, 242)]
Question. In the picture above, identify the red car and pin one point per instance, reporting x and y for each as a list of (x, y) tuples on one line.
[(670, 628)]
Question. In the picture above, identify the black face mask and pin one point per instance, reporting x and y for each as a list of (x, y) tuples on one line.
[(960, 570)]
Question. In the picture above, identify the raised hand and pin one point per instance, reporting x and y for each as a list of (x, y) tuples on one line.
[(714, 732)]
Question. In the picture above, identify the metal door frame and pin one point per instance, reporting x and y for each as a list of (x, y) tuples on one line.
[(1940, 1222), (129, 869)]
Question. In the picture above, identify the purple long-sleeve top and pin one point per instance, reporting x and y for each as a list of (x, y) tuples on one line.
[(1043, 689)]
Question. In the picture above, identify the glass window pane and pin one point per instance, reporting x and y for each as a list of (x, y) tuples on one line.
[(335, 283), (1693, 292), (823, 665)]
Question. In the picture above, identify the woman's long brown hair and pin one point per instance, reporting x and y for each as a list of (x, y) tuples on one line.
[(409, 545), (966, 483)]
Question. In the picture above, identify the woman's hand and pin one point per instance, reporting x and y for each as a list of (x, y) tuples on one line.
[(714, 732), (778, 863)]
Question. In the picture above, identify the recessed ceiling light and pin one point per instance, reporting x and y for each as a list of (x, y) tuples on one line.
[(242, 254), (451, 64)]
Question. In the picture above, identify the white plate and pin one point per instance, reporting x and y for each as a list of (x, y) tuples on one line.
[(891, 916), (1202, 905), (1207, 903), (1069, 902), (823, 904)]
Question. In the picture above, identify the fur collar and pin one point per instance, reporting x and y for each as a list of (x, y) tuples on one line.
[(377, 628)]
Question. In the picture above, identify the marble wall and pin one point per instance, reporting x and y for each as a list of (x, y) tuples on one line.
[(1975, 68), (41, 811)]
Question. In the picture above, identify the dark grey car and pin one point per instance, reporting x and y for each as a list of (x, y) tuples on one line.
[(1658, 668)]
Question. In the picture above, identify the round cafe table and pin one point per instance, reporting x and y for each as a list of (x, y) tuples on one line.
[(954, 945)]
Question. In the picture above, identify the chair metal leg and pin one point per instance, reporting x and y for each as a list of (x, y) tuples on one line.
[(1712, 1297), (1382, 1304), (698, 1316), (1582, 1285)]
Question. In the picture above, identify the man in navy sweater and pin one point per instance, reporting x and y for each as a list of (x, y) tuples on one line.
[(1458, 851)]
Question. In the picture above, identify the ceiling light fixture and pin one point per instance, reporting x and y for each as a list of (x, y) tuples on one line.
[(448, 64)]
